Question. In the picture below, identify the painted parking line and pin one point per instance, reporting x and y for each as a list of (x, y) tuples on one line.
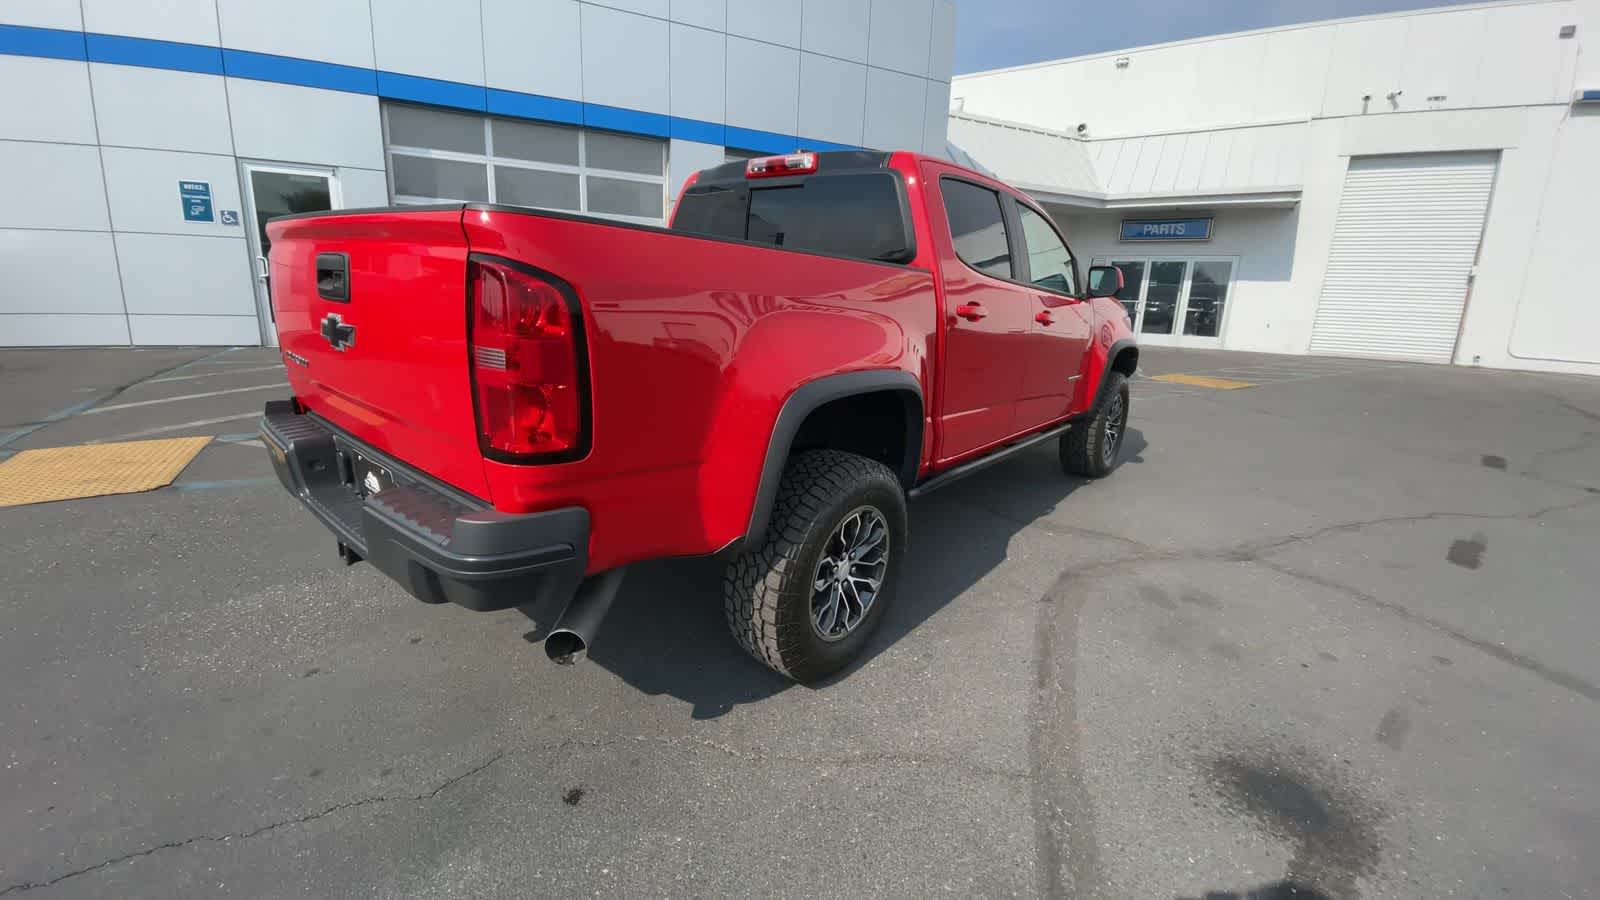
[(197, 423), (77, 408), (1206, 381), (275, 386), (227, 371)]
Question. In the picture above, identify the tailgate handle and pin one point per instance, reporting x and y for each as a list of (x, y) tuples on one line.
[(333, 277)]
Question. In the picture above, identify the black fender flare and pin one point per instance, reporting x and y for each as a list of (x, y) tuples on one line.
[(1111, 360), (805, 400)]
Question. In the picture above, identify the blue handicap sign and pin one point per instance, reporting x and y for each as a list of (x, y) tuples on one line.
[(196, 199), (228, 216)]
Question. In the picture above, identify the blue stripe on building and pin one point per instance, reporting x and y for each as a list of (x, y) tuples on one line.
[(56, 43)]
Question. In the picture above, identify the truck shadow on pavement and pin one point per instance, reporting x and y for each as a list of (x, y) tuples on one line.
[(666, 633)]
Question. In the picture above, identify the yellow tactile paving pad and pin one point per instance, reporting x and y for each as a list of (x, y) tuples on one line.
[(94, 470), (1221, 384)]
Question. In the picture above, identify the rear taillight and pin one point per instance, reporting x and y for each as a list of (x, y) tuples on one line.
[(527, 363), (789, 164)]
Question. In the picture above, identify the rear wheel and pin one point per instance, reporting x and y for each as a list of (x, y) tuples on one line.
[(1091, 446), (807, 601)]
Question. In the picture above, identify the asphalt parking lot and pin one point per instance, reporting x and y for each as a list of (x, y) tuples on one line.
[(1332, 633)]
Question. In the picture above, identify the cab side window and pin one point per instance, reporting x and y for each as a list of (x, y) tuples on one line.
[(978, 227), (1049, 260)]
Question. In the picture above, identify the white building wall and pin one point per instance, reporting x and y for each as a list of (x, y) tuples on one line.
[(91, 146), (1287, 106)]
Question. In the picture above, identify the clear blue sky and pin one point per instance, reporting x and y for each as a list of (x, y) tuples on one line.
[(991, 34)]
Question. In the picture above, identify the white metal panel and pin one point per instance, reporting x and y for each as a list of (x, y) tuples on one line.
[(160, 109), (1036, 158), (215, 277), (655, 8), (894, 110), (555, 70), (202, 331), (1558, 310), (699, 73), (899, 36), (63, 330), (775, 23), (711, 14), (936, 117), (1403, 246), (56, 105), (684, 158), (1173, 153), (336, 31), (1195, 150), (423, 37), (142, 186), (363, 187), (189, 21), (836, 28), (53, 186), (48, 271), (1443, 58), (300, 124), (1291, 78), (617, 48), (763, 86), (833, 96), (1527, 62), (45, 14), (942, 45)]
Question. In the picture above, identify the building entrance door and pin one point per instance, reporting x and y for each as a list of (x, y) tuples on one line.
[(271, 190)]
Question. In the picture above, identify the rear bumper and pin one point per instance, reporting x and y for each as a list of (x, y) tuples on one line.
[(440, 545)]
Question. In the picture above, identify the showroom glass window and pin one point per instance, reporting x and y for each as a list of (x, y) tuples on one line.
[(437, 155)]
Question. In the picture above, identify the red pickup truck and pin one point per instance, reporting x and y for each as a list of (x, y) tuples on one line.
[(499, 406)]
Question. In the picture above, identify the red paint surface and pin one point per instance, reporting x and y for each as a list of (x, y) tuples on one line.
[(693, 346)]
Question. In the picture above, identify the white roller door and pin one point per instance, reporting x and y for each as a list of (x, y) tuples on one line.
[(1403, 248)]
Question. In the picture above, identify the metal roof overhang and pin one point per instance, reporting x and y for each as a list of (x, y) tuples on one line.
[(1275, 197)]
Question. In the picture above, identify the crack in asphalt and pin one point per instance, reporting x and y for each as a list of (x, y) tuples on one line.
[(873, 757), (1059, 789), (20, 887), (1551, 674)]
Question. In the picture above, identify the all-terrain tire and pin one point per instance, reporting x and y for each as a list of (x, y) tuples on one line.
[(1091, 446), (767, 590)]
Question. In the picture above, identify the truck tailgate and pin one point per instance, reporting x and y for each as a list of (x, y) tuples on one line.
[(381, 349)]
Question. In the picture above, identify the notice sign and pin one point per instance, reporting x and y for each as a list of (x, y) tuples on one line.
[(196, 197), (1166, 229)]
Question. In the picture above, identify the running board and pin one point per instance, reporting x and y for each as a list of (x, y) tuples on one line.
[(983, 462)]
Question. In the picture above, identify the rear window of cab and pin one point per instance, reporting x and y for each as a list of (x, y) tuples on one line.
[(861, 215)]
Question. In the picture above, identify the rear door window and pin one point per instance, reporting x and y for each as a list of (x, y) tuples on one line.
[(978, 227), (857, 215)]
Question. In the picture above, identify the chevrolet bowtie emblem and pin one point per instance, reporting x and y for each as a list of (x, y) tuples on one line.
[(337, 333)]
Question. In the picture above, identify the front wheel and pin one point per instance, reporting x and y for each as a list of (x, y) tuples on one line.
[(806, 602), (1091, 446)]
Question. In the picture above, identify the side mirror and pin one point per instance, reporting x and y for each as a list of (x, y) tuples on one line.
[(1105, 281)]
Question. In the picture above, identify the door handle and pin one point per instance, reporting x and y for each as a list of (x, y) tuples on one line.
[(261, 268), (1043, 317), (972, 312)]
